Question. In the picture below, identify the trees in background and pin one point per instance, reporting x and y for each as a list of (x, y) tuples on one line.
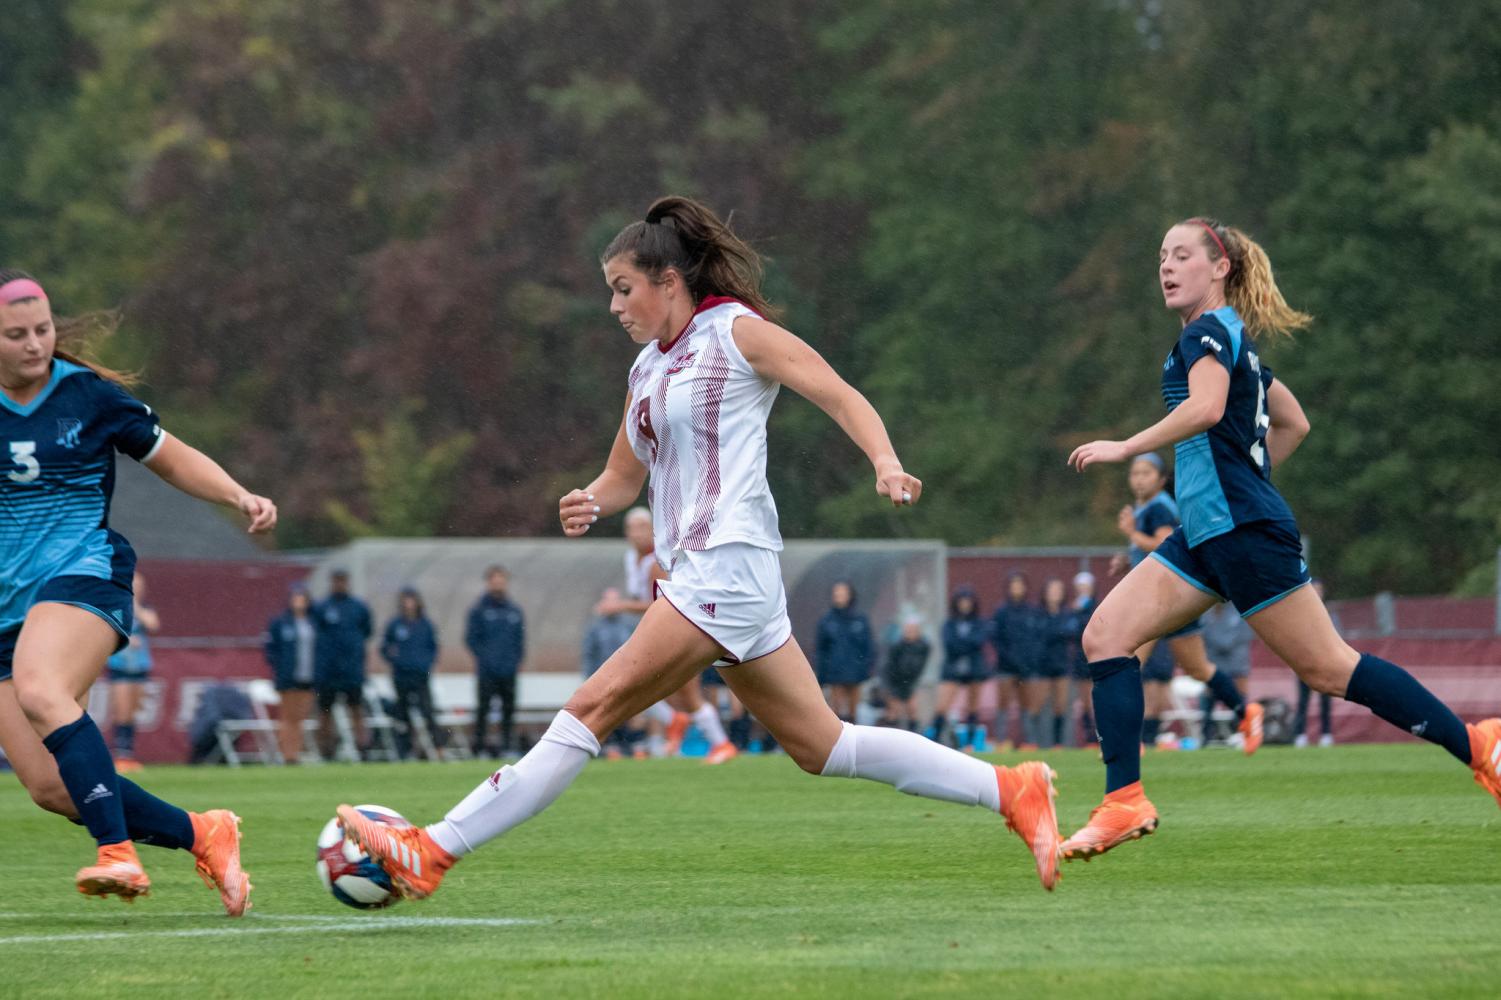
[(315, 213)]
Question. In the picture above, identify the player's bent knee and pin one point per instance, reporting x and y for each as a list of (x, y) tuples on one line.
[(1099, 644), (53, 797)]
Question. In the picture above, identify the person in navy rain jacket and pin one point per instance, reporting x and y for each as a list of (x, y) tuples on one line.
[(845, 651), (291, 652), (496, 635), (1016, 634), (344, 627), (410, 646)]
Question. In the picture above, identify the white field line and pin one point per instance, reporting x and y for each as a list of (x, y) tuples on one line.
[(296, 926)]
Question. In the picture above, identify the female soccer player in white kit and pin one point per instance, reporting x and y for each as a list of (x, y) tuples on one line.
[(687, 289)]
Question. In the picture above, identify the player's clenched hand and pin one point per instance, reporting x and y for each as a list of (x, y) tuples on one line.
[(1097, 451), (577, 511), (892, 482), (260, 510), (1125, 521)]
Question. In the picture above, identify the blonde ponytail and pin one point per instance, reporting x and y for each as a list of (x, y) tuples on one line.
[(1250, 288)]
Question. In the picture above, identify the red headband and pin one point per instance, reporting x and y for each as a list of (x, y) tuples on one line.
[(1207, 228), (21, 288)]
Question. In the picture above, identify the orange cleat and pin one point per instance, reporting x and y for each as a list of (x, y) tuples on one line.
[(1027, 804), (118, 872), (1485, 755), (414, 860), (127, 765), (1250, 727), (726, 751), (1126, 814), (216, 845), (676, 730)]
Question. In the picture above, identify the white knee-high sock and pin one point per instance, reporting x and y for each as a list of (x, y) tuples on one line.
[(914, 765), (519, 791), (660, 712), (706, 718)]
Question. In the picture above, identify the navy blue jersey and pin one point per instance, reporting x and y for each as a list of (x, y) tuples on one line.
[(59, 453), (1224, 476), (1157, 512)]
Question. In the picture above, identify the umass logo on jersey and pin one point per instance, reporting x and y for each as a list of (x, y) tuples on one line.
[(68, 431), (681, 363)]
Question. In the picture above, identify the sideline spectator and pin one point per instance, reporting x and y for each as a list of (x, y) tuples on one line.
[(1059, 636), (343, 629), (410, 646), (129, 670), (905, 661), (1227, 642), (1084, 604), (1016, 634), (1300, 721), (496, 635), (291, 651), (844, 651), (608, 630), (964, 665)]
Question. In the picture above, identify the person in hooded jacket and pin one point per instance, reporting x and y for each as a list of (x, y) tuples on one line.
[(965, 669), (1016, 634), (845, 651), (410, 646)]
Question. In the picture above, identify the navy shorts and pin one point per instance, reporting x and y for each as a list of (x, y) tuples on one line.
[(106, 598), (966, 670), (1252, 566), (1159, 666), (118, 676), (711, 678)]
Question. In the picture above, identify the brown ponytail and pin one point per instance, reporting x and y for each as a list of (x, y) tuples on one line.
[(684, 235), (79, 334), (1250, 288)]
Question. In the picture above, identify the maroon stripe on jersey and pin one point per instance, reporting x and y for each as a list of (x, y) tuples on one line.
[(708, 395), (665, 467)]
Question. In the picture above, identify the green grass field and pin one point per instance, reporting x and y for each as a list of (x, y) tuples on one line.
[(1355, 871)]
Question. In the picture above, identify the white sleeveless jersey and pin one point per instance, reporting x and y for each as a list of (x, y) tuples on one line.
[(698, 423)]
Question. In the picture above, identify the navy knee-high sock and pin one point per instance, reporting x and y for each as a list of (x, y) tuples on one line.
[(1119, 708), (152, 822), (149, 820), (1399, 698), (88, 772), (125, 738), (1223, 686)]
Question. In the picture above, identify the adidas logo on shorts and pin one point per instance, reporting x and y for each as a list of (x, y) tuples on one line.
[(707, 609)]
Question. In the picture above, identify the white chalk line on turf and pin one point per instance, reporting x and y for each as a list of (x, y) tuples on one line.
[(335, 924)]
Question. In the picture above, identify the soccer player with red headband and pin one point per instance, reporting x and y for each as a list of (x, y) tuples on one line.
[(1231, 423), (65, 590)]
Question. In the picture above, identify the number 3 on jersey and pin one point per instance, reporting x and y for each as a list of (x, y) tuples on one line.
[(23, 453)]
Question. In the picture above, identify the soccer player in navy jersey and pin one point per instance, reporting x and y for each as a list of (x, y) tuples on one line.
[(65, 591), (1231, 423), (1147, 524)]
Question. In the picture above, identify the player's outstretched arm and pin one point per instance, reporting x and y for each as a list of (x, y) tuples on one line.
[(197, 475), (1289, 423), (611, 492), (784, 357), (1208, 389)]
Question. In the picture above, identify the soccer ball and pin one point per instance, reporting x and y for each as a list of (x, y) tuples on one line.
[(347, 871)]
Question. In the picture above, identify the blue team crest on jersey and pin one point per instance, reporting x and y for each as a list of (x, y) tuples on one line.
[(68, 431)]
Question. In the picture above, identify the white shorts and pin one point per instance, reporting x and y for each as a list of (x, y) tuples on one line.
[(734, 594)]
